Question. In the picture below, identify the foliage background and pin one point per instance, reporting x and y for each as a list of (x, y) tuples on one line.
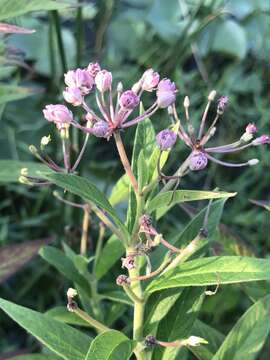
[(201, 45)]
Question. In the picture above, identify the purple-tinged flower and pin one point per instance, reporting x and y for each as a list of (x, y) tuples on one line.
[(93, 69), (103, 80), (166, 139), (73, 96), (222, 103), (100, 129), (122, 280), (197, 161), (145, 221), (128, 262), (150, 80), (166, 93), (81, 79), (166, 85), (251, 128), (59, 114), (129, 100), (264, 139)]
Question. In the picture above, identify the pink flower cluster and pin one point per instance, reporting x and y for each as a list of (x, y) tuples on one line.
[(115, 107)]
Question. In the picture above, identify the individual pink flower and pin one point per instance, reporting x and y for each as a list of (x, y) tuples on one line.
[(59, 114), (103, 80), (81, 79), (166, 93), (166, 139), (197, 161), (150, 80), (128, 262), (129, 100), (251, 128), (100, 129), (73, 96), (93, 69), (264, 139)]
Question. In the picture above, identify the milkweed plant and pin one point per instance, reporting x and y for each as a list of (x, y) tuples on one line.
[(162, 280)]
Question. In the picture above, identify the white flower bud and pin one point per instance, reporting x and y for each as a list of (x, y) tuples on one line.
[(195, 341), (212, 95), (71, 293), (186, 102), (45, 140), (253, 162)]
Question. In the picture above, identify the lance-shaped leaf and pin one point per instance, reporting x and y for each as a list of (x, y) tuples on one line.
[(10, 170), (85, 189), (247, 337), (174, 197), (105, 345), (213, 336), (60, 338), (34, 357), (12, 8), (12, 92), (13, 257), (213, 270)]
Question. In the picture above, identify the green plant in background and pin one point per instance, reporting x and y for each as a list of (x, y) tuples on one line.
[(166, 279)]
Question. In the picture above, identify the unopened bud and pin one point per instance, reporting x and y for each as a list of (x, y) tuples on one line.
[(264, 139), (137, 87), (150, 341), (246, 137), (72, 293), (24, 180), (24, 171), (122, 280), (212, 95), (45, 140), (253, 162), (195, 341), (186, 102), (33, 149), (120, 87)]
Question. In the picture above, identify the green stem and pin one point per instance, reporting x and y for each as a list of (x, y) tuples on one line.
[(85, 226), (96, 324), (51, 53), (60, 42), (79, 34)]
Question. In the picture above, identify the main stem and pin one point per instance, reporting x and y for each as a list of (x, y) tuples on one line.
[(85, 226), (125, 161)]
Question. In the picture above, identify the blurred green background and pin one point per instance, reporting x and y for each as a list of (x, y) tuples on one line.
[(201, 45)]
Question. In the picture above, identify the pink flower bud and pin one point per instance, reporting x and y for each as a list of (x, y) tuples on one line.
[(79, 78), (103, 80), (122, 280), (73, 96), (150, 80), (129, 100), (264, 139), (100, 129), (93, 69), (59, 114), (222, 103), (166, 93), (166, 139), (251, 128), (197, 161)]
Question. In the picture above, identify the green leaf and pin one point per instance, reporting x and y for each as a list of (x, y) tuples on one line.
[(64, 265), (213, 270), (117, 296), (123, 351), (214, 338), (120, 190), (247, 337), (10, 170), (111, 252), (60, 338), (174, 197), (157, 307), (13, 257), (12, 8), (104, 344), (230, 38), (11, 92), (84, 188), (34, 357), (179, 321), (142, 171)]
